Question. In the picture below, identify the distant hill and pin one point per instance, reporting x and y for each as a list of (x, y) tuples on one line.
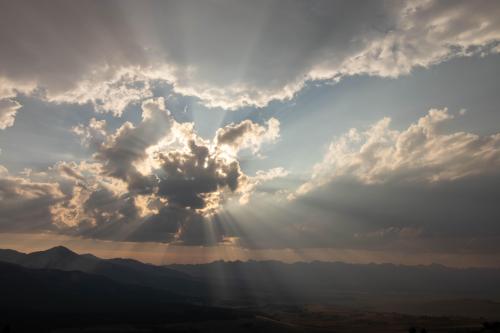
[(121, 270), (326, 282)]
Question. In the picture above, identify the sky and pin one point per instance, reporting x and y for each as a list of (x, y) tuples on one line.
[(193, 131)]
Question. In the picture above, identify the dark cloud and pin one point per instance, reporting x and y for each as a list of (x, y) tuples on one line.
[(160, 227), (189, 179), (104, 206), (447, 216), (26, 205), (247, 134), (128, 145), (457, 217), (180, 226)]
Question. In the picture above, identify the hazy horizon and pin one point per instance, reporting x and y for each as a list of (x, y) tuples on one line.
[(159, 254)]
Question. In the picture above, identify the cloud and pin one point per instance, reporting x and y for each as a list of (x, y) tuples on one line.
[(346, 213), (25, 204), (424, 33), (8, 110), (423, 152), (447, 216), (108, 94), (420, 188), (247, 134), (129, 143), (112, 53), (155, 180), (196, 178), (390, 233), (261, 177), (56, 45), (93, 135)]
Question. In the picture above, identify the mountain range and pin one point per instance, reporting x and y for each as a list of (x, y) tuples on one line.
[(121, 270), (325, 281), (237, 283), (60, 288), (270, 279)]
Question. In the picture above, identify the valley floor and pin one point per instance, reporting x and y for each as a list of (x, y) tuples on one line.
[(313, 318)]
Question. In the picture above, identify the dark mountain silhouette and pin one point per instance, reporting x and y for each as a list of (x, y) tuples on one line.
[(121, 270), (38, 300), (273, 281), (47, 289)]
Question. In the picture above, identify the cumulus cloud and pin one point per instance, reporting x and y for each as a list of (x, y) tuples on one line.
[(129, 143), (424, 152), (110, 53), (155, 180), (247, 134), (195, 179)]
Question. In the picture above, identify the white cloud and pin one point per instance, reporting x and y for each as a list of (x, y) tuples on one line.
[(423, 152), (8, 111), (109, 90), (247, 134)]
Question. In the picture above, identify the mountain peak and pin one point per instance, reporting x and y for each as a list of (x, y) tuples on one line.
[(60, 250)]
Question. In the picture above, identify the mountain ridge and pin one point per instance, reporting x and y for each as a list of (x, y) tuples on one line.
[(120, 270), (275, 281)]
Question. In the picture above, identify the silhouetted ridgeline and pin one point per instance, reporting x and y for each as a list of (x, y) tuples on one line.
[(55, 290), (308, 280), (122, 270), (317, 279), (42, 299), (271, 280)]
